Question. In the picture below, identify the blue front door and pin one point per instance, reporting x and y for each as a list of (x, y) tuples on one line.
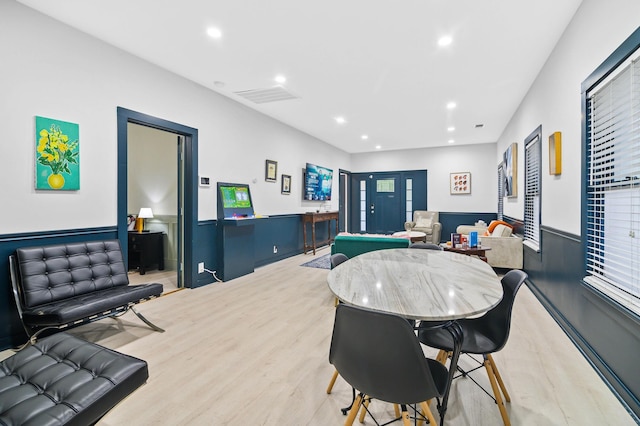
[(381, 202)]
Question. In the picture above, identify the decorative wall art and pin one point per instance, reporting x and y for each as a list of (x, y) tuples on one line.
[(57, 155), (286, 184), (555, 153), (271, 171), (460, 183), (510, 168)]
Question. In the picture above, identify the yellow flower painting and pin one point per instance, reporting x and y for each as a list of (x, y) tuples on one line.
[(57, 155)]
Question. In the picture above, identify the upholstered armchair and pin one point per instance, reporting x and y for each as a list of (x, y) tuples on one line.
[(427, 222)]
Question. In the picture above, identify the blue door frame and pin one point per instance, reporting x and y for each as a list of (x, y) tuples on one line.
[(126, 116)]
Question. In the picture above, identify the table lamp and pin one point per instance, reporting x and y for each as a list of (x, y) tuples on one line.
[(145, 213)]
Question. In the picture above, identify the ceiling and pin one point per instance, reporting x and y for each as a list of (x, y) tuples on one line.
[(377, 63)]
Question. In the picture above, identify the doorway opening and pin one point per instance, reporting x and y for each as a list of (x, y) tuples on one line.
[(169, 162), (154, 169)]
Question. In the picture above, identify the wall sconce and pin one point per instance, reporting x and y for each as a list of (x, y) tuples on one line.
[(145, 213)]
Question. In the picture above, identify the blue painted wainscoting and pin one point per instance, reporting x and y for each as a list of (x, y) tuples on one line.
[(606, 333), (12, 333)]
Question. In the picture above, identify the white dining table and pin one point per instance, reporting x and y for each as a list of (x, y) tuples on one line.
[(419, 284)]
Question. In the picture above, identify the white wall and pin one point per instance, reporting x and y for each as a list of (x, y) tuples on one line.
[(54, 71), (479, 160), (596, 30), (152, 177)]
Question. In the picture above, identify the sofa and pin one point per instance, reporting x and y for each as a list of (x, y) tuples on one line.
[(352, 245), (427, 222), (506, 247)]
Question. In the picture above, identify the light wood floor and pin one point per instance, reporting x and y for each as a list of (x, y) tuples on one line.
[(254, 351)]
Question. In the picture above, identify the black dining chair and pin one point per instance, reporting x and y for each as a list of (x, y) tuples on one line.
[(337, 259), (484, 336), (427, 246), (380, 356)]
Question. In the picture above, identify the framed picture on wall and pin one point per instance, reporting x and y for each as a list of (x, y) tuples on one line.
[(286, 184), (510, 165), (460, 183), (271, 171)]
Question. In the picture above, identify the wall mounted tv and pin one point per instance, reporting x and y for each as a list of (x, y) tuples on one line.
[(317, 183), (234, 200)]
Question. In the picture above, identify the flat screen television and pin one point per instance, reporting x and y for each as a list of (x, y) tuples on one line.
[(317, 183), (234, 200)]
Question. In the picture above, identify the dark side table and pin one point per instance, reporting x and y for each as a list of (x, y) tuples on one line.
[(146, 249)]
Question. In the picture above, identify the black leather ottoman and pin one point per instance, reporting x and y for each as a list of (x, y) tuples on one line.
[(63, 380)]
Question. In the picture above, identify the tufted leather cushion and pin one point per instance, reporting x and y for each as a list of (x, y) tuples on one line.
[(65, 283), (53, 273), (65, 380)]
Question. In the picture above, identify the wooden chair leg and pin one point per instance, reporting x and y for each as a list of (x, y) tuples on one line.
[(496, 393), (426, 411), (396, 410), (442, 356), (500, 382), (365, 406), (406, 421), (353, 412), (333, 381)]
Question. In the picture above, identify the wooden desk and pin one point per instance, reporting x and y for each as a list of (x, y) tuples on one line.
[(429, 285), (313, 218)]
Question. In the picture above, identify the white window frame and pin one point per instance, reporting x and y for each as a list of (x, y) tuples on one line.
[(532, 188), (612, 193)]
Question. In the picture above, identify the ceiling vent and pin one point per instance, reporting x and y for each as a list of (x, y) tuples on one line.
[(263, 96)]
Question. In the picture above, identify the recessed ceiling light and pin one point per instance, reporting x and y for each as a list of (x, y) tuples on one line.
[(340, 120), (280, 79), (451, 141), (445, 41), (450, 129), (214, 32), (378, 147), (364, 137), (451, 105)]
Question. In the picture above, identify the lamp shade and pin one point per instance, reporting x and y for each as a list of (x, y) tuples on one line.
[(145, 213)]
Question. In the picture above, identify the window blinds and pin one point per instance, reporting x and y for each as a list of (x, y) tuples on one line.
[(613, 187), (532, 192)]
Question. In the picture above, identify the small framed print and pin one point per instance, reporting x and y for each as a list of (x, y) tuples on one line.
[(286, 185), (460, 183), (271, 171), (555, 153)]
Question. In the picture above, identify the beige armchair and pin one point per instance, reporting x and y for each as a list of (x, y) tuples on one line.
[(427, 222)]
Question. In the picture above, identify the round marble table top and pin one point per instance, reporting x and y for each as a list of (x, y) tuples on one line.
[(417, 283)]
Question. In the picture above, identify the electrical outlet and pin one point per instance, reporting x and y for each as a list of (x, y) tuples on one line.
[(275, 249), (200, 267)]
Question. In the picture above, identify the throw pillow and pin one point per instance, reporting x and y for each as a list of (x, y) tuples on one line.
[(424, 223), (501, 231)]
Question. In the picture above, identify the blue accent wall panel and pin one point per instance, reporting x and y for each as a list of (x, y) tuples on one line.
[(285, 232), (606, 333), (11, 332), (205, 250)]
